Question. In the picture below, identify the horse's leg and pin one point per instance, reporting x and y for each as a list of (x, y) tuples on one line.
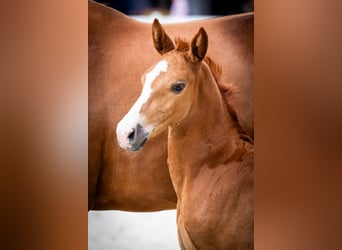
[(180, 240), (184, 239)]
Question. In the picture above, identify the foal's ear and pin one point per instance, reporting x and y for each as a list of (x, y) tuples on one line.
[(162, 42), (199, 45)]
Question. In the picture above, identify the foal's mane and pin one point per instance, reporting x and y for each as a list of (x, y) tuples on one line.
[(183, 46)]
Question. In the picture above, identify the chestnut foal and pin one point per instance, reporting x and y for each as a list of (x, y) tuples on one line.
[(211, 161)]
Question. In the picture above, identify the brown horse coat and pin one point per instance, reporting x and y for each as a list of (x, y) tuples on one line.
[(119, 52), (210, 158)]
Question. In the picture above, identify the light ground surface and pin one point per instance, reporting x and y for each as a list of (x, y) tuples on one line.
[(117, 230)]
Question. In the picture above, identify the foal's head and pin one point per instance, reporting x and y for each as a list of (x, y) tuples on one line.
[(168, 90)]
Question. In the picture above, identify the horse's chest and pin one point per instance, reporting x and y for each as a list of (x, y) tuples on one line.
[(214, 210)]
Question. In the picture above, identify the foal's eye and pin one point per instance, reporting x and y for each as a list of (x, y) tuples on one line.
[(177, 87)]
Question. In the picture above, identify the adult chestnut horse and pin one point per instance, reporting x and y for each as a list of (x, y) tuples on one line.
[(210, 159), (119, 50)]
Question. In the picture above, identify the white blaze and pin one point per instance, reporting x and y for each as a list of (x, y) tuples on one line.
[(133, 117)]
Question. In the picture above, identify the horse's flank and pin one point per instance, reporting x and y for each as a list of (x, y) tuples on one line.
[(140, 181)]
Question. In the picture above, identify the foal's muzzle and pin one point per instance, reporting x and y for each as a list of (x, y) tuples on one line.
[(133, 139)]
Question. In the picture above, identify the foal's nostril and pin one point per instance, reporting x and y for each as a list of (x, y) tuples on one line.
[(131, 134)]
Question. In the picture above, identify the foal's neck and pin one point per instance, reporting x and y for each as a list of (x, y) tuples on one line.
[(206, 138)]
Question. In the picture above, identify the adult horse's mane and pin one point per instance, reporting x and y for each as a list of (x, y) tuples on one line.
[(183, 46)]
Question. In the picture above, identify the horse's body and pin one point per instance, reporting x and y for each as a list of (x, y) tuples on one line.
[(210, 160), (119, 50)]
